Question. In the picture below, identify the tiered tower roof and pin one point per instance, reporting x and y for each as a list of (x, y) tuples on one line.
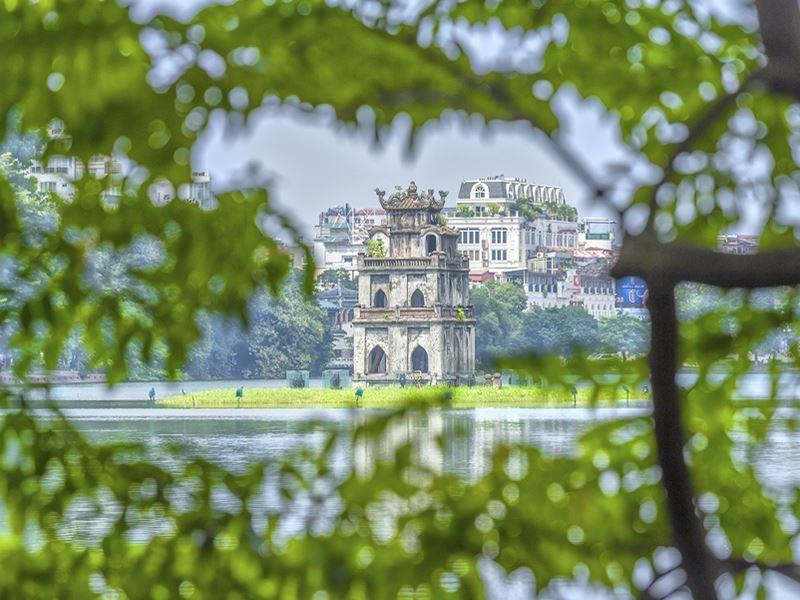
[(411, 199)]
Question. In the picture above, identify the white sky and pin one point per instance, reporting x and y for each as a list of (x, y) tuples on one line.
[(312, 166)]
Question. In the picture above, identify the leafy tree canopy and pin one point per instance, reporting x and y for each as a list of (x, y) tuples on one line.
[(711, 106)]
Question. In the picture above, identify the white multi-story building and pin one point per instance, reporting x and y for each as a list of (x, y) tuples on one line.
[(499, 189), (503, 222), (592, 291), (341, 234), (102, 166), (197, 191), (61, 171), (57, 176)]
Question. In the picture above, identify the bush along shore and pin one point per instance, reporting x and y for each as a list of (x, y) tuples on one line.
[(396, 397)]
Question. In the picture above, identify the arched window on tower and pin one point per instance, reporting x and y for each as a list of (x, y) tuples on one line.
[(380, 299), (377, 361), (417, 299), (430, 243), (419, 360)]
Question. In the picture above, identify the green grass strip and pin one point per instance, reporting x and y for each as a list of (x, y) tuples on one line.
[(393, 397)]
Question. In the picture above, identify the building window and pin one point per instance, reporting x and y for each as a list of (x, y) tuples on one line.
[(470, 236), (47, 186), (380, 300), (419, 360), (430, 243), (479, 191), (417, 299), (479, 210), (377, 361), (499, 255), (499, 236)]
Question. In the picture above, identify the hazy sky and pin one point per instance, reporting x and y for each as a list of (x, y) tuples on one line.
[(312, 166)]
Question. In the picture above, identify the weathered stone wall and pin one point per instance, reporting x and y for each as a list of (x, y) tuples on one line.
[(359, 352)]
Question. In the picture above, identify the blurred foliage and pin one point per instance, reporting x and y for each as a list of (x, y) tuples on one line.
[(203, 263), (87, 80)]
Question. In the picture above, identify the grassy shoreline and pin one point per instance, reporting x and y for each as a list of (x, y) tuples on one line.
[(391, 397)]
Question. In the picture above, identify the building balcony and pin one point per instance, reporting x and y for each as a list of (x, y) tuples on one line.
[(434, 261), (408, 313)]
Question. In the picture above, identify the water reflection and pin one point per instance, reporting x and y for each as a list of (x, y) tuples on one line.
[(236, 439)]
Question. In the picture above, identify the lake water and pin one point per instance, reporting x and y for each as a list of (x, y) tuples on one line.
[(236, 438)]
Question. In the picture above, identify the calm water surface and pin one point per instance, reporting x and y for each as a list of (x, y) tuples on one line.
[(235, 438)]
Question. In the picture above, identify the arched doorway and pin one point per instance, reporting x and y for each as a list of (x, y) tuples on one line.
[(417, 299), (377, 361), (430, 243), (380, 299), (419, 360)]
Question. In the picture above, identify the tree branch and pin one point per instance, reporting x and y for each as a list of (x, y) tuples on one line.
[(738, 565), (687, 530), (644, 256), (779, 23)]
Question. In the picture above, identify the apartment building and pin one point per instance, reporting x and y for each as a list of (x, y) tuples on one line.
[(503, 222), (58, 175), (340, 235), (197, 191), (593, 291)]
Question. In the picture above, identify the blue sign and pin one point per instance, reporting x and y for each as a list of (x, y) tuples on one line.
[(631, 292)]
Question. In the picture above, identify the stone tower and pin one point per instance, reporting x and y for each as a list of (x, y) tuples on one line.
[(413, 316)]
